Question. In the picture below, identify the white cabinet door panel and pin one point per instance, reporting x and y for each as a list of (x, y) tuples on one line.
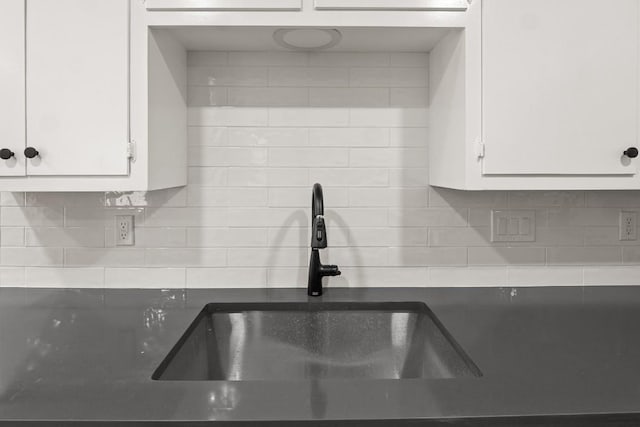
[(78, 86), (12, 98), (560, 86)]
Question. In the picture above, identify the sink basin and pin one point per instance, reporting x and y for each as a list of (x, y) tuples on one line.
[(301, 341)]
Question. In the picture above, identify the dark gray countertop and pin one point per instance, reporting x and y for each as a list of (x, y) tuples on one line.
[(546, 353)]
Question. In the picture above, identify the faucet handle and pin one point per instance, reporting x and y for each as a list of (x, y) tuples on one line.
[(318, 233)]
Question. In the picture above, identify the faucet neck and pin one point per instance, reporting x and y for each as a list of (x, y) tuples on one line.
[(317, 201)]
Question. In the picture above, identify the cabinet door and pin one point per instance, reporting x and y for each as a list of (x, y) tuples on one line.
[(12, 98), (78, 86), (560, 86)]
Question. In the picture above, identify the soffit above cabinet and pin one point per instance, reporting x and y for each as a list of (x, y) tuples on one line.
[(353, 39)]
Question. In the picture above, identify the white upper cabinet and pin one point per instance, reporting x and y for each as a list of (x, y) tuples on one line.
[(12, 102), (91, 99), (537, 94), (560, 82), (78, 86)]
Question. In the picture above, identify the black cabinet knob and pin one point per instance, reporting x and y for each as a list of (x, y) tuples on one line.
[(6, 154), (31, 153), (631, 152)]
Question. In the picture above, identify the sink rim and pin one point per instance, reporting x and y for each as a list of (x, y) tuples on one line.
[(313, 306)]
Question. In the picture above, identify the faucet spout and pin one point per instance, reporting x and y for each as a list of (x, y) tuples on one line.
[(318, 241)]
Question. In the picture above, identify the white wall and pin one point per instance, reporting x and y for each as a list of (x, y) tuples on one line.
[(263, 128)]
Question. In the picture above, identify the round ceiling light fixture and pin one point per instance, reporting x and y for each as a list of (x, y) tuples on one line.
[(307, 38)]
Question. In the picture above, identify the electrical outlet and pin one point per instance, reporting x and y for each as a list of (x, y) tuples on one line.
[(628, 225), (124, 230)]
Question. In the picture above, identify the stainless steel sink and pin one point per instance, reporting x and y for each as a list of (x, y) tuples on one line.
[(297, 341)]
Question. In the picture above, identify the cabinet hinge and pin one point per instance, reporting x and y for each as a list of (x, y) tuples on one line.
[(480, 150), (131, 150)]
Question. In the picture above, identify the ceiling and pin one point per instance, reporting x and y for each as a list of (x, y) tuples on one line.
[(353, 39)]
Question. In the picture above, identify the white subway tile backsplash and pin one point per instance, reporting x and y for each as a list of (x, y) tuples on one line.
[(552, 276), (427, 217), (93, 237), (89, 217), (606, 276), (12, 236), (392, 158), (227, 76), (268, 58), (613, 199), (239, 196), (409, 59), (349, 177), (472, 276), (227, 156), (308, 77), (391, 197), (111, 257), (424, 257), (209, 176), (226, 277), (584, 255), (43, 277), (388, 237), (460, 236), (206, 58), (583, 217), (263, 128), (187, 217), (352, 97), (268, 137), (31, 257), (145, 278), (267, 96), (12, 199), (299, 237), (309, 117), (226, 237), (185, 257), (506, 256), (32, 216), (389, 117), (13, 277), (348, 137), (388, 77), (309, 157), (227, 116), (145, 237), (298, 197), (349, 59), (198, 96), (262, 257), (209, 136)]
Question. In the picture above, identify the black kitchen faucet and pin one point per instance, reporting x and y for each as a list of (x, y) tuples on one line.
[(318, 241)]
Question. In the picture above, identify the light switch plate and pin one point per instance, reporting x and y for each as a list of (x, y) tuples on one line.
[(513, 226)]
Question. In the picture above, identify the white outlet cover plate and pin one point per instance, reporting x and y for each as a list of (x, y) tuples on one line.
[(127, 220), (632, 233), (513, 226)]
